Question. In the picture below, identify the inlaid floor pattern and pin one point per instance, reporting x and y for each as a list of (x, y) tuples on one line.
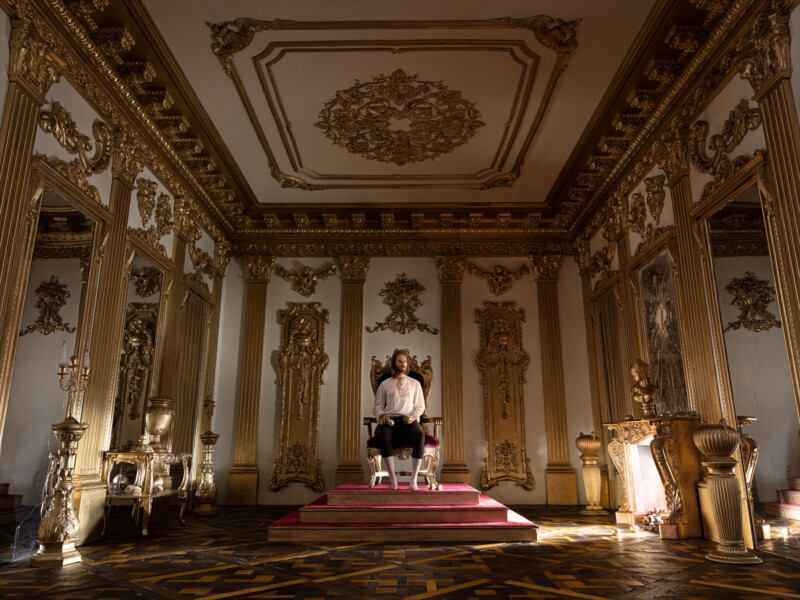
[(228, 556)]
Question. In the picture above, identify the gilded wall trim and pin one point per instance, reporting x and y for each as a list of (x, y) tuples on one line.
[(301, 364)]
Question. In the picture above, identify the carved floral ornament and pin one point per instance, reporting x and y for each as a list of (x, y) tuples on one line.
[(498, 277), (752, 296), (304, 280), (402, 296), (146, 281), (51, 296), (147, 204)]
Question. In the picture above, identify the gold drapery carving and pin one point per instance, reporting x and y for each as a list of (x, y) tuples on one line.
[(304, 280), (402, 296), (752, 296), (502, 363), (301, 364), (51, 296)]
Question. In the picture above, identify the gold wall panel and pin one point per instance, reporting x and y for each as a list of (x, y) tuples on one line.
[(301, 364), (502, 363)]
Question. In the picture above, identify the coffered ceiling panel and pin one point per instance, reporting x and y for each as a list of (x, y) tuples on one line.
[(346, 101)]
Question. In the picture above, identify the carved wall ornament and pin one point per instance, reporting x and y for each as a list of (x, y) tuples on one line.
[(752, 296), (148, 205), (51, 296), (301, 363), (136, 365), (146, 198), (499, 278), (667, 459), (73, 172), (354, 268), (402, 296), (502, 363), (58, 121), (304, 280), (654, 187), (642, 391), (29, 55), (451, 268), (399, 119), (546, 268), (740, 120), (258, 268), (146, 281), (638, 213)]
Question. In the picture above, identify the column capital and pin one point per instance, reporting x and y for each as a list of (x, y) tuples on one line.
[(258, 268), (127, 159), (354, 267), (672, 153), (451, 268), (546, 268), (768, 59), (31, 62)]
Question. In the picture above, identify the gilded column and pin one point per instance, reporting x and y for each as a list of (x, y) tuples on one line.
[(354, 273), (562, 485), (243, 477), (696, 336), (451, 274), (107, 331), (768, 69), (31, 71)]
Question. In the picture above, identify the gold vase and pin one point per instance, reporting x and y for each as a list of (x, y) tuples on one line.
[(157, 420)]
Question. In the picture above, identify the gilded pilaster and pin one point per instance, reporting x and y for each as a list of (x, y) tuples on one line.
[(693, 326), (451, 274), (31, 72), (561, 482), (354, 272), (769, 70), (107, 331), (243, 477)]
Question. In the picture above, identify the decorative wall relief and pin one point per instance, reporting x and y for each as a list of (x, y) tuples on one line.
[(402, 296), (301, 363), (51, 296), (304, 281), (752, 296), (369, 119), (499, 278), (740, 120), (663, 338), (653, 205), (502, 364), (147, 203), (146, 281)]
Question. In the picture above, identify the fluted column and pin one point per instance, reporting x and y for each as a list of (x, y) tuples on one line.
[(451, 274), (695, 334), (354, 272), (243, 477), (107, 332), (769, 71), (31, 72), (562, 485), (629, 335)]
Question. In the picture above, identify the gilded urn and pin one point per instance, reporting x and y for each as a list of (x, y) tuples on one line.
[(157, 420)]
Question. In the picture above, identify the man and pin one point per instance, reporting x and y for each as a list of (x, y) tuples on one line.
[(399, 403)]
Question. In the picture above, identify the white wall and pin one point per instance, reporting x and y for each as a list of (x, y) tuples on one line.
[(760, 381), (5, 37), (36, 401)]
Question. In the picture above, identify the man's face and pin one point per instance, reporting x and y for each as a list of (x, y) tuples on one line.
[(401, 364)]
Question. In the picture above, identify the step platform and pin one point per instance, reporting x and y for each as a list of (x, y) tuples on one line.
[(354, 512)]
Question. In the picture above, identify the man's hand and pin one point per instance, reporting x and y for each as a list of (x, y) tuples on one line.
[(408, 419), (385, 420)]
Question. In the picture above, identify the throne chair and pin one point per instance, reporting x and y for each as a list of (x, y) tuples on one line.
[(422, 372)]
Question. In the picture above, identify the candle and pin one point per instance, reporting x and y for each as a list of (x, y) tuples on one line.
[(86, 360), (63, 362)]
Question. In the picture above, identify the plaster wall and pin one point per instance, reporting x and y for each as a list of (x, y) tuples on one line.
[(5, 38), (36, 400), (760, 381), (84, 116)]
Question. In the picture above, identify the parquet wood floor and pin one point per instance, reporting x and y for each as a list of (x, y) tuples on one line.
[(228, 557)]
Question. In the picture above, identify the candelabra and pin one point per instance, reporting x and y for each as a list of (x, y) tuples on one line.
[(58, 530)]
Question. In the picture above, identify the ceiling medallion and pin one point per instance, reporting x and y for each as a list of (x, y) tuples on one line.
[(399, 119)]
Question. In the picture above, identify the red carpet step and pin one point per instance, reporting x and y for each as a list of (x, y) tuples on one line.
[(353, 512)]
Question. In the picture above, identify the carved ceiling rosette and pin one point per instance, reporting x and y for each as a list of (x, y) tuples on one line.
[(498, 277), (502, 363), (301, 363)]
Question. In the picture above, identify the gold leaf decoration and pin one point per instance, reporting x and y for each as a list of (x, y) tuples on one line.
[(304, 281), (638, 213), (51, 297), (146, 281), (399, 119), (499, 278), (402, 295), (752, 296)]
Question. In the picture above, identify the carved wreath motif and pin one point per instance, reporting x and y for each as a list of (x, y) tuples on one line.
[(402, 295), (752, 296), (51, 297), (363, 119)]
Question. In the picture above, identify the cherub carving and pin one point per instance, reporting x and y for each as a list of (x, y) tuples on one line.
[(642, 391)]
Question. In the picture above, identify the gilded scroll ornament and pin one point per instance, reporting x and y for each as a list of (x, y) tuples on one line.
[(51, 297), (498, 277), (667, 461), (73, 172), (740, 120), (301, 363), (402, 296), (399, 119), (146, 281), (59, 122), (502, 363), (752, 296), (304, 280)]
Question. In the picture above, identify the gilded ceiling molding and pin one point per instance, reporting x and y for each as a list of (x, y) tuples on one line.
[(304, 280), (740, 120), (51, 296), (402, 296), (359, 119), (451, 268), (499, 278), (82, 252), (752, 296)]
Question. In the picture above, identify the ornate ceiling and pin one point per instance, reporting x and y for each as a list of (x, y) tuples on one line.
[(413, 121)]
